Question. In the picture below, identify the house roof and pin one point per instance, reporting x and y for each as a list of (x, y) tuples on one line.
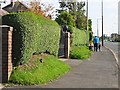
[(3, 12), (16, 7)]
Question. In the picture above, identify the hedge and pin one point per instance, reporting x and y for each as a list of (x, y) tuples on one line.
[(80, 40), (79, 37), (80, 52), (32, 33)]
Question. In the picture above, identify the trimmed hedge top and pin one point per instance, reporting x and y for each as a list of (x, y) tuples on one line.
[(31, 34)]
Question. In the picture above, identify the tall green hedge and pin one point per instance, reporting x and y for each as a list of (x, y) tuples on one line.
[(79, 37), (32, 33)]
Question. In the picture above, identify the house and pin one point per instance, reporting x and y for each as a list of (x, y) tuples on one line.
[(15, 7), (3, 12)]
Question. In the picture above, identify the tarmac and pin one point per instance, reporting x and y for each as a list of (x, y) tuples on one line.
[(99, 71)]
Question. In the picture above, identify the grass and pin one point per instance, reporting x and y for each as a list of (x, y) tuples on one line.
[(40, 69), (81, 52)]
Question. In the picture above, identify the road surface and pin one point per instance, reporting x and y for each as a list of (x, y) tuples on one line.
[(115, 47)]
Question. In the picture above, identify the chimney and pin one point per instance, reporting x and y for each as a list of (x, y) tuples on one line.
[(12, 3)]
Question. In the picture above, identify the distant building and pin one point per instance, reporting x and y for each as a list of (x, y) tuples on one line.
[(15, 7)]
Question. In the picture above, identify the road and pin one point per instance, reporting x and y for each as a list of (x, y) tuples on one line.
[(114, 47)]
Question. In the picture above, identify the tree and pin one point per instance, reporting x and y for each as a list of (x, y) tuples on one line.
[(45, 10), (36, 8), (48, 10), (76, 9), (65, 19), (90, 25), (81, 21), (90, 29)]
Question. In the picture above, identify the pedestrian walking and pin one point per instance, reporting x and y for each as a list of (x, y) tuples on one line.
[(99, 46), (91, 45), (96, 43)]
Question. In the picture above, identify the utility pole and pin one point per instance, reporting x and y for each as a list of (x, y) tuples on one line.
[(86, 21), (102, 25), (87, 14), (97, 28)]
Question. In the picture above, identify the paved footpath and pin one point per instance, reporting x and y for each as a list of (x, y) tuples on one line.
[(100, 71), (1, 86)]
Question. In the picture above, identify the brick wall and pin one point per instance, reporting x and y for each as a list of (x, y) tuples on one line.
[(5, 52), (0, 54)]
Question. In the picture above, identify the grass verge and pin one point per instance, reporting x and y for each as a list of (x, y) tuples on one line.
[(40, 69), (81, 52)]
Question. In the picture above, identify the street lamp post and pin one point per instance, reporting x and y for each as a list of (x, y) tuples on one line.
[(102, 24), (98, 26), (87, 14)]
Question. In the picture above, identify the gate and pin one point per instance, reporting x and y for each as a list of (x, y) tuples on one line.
[(64, 45), (61, 52)]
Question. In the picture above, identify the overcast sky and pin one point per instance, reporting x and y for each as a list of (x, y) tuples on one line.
[(110, 14)]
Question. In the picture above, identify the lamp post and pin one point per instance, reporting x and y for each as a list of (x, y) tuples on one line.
[(87, 14), (102, 24), (98, 26), (86, 21)]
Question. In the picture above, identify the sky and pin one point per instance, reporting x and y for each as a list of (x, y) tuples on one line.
[(110, 14)]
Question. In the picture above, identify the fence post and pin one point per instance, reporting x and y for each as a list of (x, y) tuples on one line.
[(5, 52), (67, 44)]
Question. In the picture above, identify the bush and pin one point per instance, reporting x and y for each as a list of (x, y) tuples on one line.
[(79, 37), (35, 72), (79, 49), (32, 33), (80, 52), (70, 29)]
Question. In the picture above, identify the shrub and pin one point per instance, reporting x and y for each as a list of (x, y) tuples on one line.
[(79, 37), (32, 33), (35, 72), (80, 52), (79, 49), (70, 29)]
